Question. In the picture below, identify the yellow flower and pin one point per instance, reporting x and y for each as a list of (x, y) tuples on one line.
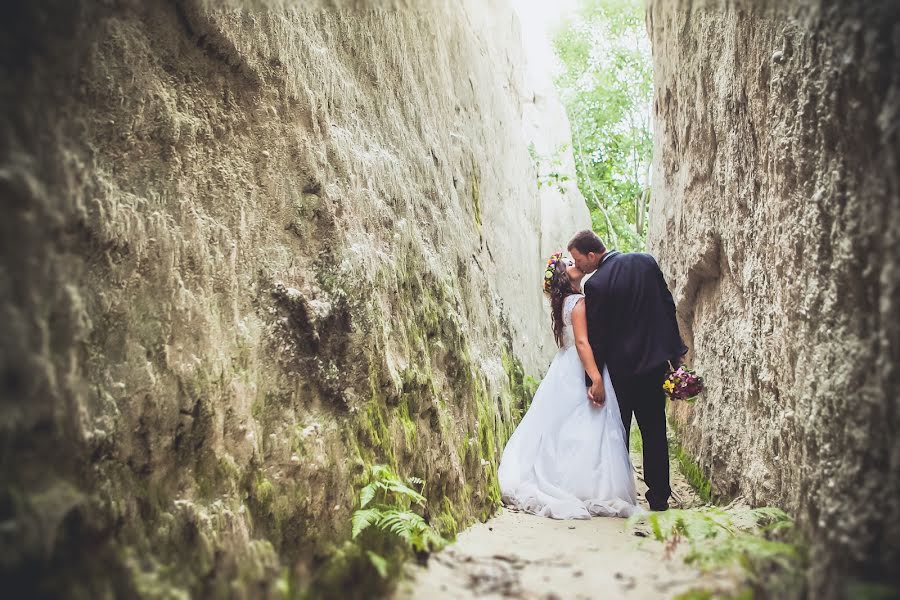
[(668, 386)]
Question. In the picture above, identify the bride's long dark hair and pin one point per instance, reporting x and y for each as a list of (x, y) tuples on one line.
[(558, 288)]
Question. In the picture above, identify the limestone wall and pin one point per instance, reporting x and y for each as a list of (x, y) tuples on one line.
[(246, 254), (776, 216)]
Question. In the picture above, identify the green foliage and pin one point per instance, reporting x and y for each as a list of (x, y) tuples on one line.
[(762, 541), (380, 564), (265, 491), (635, 439), (386, 506), (606, 85), (522, 388), (694, 474), (550, 169), (386, 481), (719, 537)]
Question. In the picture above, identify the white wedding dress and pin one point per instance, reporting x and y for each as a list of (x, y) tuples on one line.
[(567, 458)]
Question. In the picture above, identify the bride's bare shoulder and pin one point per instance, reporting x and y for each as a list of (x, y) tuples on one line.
[(576, 302)]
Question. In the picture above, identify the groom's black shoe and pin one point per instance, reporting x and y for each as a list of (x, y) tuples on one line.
[(656, 503)]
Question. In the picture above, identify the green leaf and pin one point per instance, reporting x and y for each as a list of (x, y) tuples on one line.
[(718, 537), (382, 472), (657, 530), (399, 487), (380, 564), (606, 86), (367, 494), (391, 512), (400, 523), (362, 519)]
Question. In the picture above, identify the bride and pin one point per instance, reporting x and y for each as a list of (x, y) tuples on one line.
[(567, 458)]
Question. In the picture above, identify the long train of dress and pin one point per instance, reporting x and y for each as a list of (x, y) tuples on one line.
[(567, 458)]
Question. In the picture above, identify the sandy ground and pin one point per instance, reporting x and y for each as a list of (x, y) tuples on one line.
[(520, 555)]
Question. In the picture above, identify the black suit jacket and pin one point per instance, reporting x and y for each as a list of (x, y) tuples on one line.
[(631, 316)]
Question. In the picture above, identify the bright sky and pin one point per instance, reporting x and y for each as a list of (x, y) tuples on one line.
[(539, 19), (547, 12)]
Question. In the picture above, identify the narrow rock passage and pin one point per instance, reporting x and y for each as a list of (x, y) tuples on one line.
[(520, 555)]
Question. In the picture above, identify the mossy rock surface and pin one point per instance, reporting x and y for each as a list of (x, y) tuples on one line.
[(240, 274)]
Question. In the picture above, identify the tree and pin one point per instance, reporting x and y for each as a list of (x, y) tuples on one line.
[(606, 85)]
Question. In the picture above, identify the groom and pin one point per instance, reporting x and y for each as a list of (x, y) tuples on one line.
[(632, 330)]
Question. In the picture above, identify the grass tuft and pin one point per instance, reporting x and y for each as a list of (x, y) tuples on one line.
[(635, 440), (758, 540)]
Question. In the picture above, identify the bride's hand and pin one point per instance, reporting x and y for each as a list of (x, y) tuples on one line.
[(597, 393)]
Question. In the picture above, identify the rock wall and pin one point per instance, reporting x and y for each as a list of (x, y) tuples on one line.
[(248, 253), (776, 216)]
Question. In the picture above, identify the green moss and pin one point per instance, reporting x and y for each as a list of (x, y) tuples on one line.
[(521, 387), (259, 560), (692, 471), (286, 586), (530, 385), (447, 522), (228, 468), (490, 433), (150, 579), (264, 491), (409, 408), (258, 409), (372, 425), (486, 430), (409, 427), (694, 474), (216, 475), (349, 573)]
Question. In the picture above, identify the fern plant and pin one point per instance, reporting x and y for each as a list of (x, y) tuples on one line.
[(387, 505), (717, 537)]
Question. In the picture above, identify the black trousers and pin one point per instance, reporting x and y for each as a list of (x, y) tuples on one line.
[(642, 395)]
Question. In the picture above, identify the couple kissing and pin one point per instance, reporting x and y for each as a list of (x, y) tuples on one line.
[(613, 318)]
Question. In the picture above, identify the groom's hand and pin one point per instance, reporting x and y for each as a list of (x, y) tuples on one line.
[(597, 393)]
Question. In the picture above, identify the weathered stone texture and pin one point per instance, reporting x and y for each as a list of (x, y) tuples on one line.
[(247, 253), (776, 214)]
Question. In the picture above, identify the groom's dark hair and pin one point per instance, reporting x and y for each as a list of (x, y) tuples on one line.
[(586, 241)]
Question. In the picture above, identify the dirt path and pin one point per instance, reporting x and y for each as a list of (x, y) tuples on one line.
[(520, 555)]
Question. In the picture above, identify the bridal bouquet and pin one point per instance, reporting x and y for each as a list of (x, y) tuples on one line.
[(682, 384)]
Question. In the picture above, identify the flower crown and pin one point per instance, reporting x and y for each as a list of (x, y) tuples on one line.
[(551, 268)]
